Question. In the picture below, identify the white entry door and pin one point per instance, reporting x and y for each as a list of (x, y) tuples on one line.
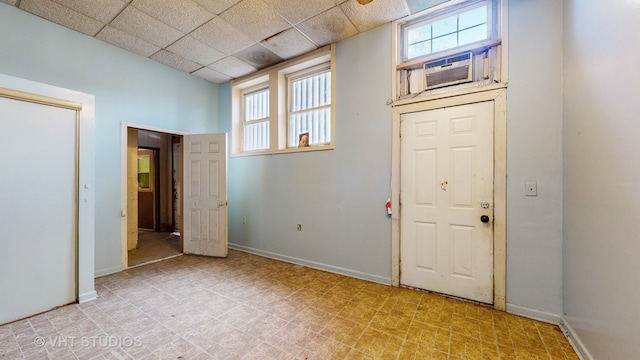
[(205, 194), (446, 189)]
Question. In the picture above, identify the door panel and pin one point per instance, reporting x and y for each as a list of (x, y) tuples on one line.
[(446, 173), (38, 216), (205, 200)]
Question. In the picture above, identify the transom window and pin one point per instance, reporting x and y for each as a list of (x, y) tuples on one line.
[(310, 108), (453, 45), (447, 32)]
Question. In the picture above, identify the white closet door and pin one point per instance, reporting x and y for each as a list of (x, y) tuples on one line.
[(38, 220)]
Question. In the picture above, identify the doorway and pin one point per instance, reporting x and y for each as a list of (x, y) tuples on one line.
[(152, 165), (440, 209), (196, 185)]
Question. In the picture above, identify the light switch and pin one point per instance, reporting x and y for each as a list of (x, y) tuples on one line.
[(531, 189)]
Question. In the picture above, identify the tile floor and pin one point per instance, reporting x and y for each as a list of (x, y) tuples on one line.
[(250, 307)]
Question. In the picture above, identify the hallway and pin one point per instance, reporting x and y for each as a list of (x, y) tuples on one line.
[(153, 246)]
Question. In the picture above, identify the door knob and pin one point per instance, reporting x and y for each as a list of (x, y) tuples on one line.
[(223, 203), (484, 219)]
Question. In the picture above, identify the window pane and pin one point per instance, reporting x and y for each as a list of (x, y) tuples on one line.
[(472, 18), (256, 136), (256, 133), (419, 49), (428, 36), (310, 92), (474, 34), (310, 110), (445, 26), (256, 105), (315, 122), (445, 42), (419, 34)]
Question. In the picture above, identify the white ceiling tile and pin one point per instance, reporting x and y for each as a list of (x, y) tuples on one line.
[(232, 67), (211, 75), (194, 50), (293, 12), (374, 14), (62, 15), (184, 15), (222, 36), (216, 6), (258, 56), (288, 44), (255, 19), (175, 61), (104, 11), (328, 27), (128, 42), (139, 24)]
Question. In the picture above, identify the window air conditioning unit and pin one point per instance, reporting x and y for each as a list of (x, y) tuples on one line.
[(456, 69)]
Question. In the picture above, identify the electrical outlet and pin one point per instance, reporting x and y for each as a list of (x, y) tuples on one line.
[(531, 189), (299, 227)]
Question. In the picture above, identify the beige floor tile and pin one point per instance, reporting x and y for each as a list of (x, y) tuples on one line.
[(249, 307)]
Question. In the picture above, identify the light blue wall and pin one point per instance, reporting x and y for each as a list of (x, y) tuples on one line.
[(127, 88), (338, 195), (534, 153), (602, 176)]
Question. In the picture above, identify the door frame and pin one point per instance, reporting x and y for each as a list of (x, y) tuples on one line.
[(26, 90), (155, 188), (499, 99), (124, 126)]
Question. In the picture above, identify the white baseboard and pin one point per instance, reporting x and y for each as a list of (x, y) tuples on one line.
[(574, 340), (88, 296), (313, 264), (108, 271), (534, 314)]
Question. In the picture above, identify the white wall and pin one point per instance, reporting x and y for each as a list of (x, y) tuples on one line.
[(534, 153), (602, 176), (127, 88)]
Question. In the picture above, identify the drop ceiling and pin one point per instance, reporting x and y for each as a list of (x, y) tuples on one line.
[(219, 40)]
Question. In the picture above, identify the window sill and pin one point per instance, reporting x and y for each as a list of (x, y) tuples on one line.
[(463, 89), (285, 151)]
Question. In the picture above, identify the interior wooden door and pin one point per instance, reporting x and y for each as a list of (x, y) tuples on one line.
[(205, 194), (146, 189)]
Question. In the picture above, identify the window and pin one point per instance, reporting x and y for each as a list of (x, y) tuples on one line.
[(285, 108), (443, 34), (429, 36), (310, 108), (255, 120)]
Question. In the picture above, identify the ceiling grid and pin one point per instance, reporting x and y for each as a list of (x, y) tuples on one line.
[(219, 40)]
